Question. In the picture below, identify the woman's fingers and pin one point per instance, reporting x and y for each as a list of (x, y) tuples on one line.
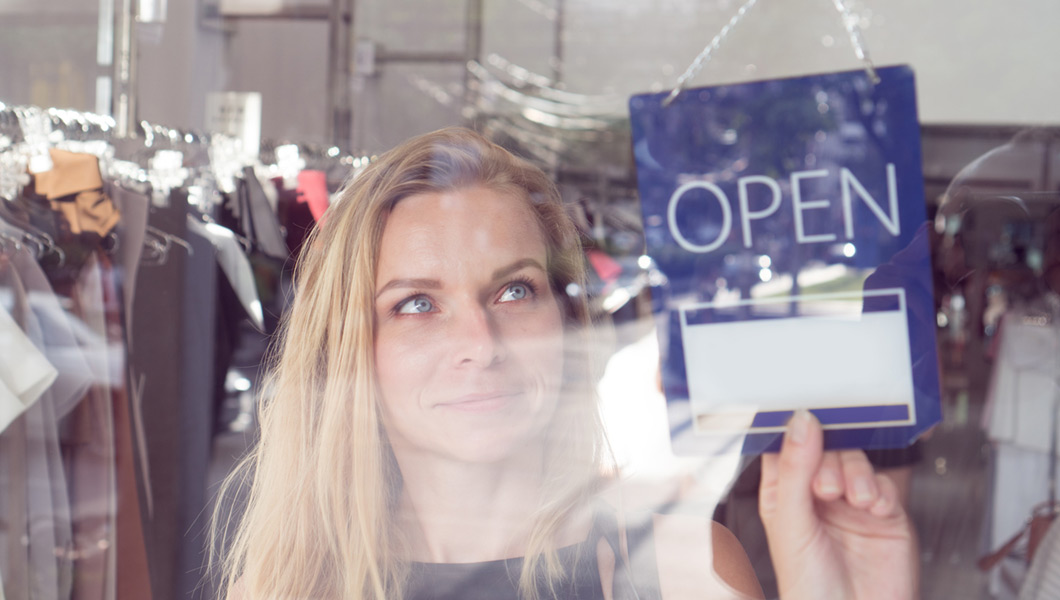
[(887, 503), (803, 472), (786, 494), (835, 528), (829, 483), (859, 479)]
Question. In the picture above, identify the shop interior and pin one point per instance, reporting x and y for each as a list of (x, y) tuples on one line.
[(200, 142)]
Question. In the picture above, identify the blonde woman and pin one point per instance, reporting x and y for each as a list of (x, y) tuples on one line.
[(432, 431)]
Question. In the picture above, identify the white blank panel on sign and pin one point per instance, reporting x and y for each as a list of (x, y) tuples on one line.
[(843, 360)]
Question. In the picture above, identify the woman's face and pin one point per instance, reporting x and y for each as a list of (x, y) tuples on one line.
[(469, 336)]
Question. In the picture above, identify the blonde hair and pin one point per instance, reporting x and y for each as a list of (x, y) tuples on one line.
[(322, 479)]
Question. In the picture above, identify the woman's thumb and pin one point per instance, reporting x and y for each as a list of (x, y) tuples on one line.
[(786, 501)]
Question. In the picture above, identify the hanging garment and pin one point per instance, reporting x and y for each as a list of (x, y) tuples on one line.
[(67, 203), (313, 190), (89, 446), (44, 500), (294, 215), (111, 561), (1018, 418), (24, 371), (74, 187), (64, 341), (132, 579), (48, 529), (14, 477), (235, 265), (1023, 387), (159, 338), (172, 380), (198, 408), (132, 231), (259, 217), (14, 508), (49, 502)]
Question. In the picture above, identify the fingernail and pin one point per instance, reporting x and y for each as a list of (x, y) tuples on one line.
[(882, 507), (828, 482), (799, 426), (863, 491)]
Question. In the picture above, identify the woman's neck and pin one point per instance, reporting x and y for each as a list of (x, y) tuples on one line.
[(455, 512)]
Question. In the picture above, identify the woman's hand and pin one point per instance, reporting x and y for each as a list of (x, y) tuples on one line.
[(836, 529)]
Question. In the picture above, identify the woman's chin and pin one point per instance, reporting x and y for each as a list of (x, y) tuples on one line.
[(496, 445)]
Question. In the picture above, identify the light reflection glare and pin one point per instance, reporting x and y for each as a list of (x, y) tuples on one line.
[(616, 299), (849, 250), (765, 274)]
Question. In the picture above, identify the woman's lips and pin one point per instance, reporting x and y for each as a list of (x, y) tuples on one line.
[(480, 402)]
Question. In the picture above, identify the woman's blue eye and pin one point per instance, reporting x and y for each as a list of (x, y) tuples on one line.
[(515, 291), (416, 305)]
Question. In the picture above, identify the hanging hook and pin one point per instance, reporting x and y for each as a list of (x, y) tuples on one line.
[(168, 239)]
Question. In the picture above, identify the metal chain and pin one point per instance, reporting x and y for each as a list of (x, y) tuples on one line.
[(704, 56), (850, 23)]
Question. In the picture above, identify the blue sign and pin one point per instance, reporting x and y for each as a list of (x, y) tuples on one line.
[(790, 221)]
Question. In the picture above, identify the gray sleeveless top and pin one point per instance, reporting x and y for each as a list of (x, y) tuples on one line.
[(634, 579)]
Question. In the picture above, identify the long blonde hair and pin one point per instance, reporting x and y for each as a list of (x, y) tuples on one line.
[(322, 479)]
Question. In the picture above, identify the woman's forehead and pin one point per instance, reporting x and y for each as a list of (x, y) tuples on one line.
[(477, 223)]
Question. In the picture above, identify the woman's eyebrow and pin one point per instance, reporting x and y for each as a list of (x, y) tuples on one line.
[(518, 265), (426, 284), (434, 284)]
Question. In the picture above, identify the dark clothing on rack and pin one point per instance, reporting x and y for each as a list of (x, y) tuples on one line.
[(257, 217), (132, 231), (171, 372), (295, 214)]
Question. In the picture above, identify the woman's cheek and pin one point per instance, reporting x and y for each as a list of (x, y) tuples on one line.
[(400, 353)]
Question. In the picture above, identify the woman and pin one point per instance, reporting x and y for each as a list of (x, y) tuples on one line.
[(432, 418)]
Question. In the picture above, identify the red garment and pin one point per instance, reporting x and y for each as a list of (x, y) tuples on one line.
[(313, 190), (606, 267)]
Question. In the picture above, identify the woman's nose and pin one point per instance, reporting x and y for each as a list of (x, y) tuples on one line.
[(478, 339)]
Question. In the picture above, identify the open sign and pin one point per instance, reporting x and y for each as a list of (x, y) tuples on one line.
[(780, 173)]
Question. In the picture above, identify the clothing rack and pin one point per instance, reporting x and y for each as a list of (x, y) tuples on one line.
[(202, 228), (211, 159)]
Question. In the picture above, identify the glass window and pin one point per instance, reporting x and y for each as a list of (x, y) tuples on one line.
[(311, 298)]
